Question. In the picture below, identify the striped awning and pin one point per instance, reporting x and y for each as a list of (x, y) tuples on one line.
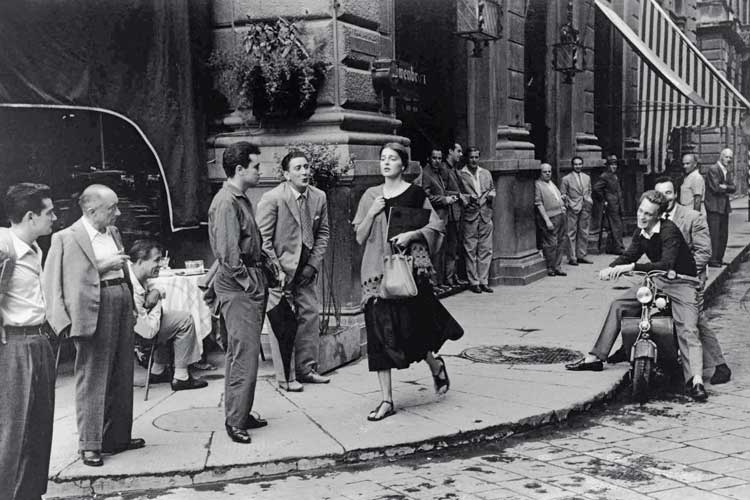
[(677, 86)]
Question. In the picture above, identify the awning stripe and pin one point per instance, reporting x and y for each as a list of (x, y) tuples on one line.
[(679, 87)]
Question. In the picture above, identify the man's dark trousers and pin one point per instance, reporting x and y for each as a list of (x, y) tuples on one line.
[(104, 374), (242, 312), (27, 402), (718, 227), (553, 241)]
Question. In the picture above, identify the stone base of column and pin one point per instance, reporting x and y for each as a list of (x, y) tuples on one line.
[(517, 271)]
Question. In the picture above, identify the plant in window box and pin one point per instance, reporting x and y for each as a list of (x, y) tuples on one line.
[(272, 72)]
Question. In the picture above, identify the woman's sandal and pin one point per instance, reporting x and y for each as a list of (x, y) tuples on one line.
[(374, 415), (441, 380)]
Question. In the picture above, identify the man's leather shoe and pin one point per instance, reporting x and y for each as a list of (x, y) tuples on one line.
[(190, 383), (486, 289), (698, 392), (551, 273), (133, 444), (581, 365), (161, 378), (461, 282), (254, 422), (292, 386), (572, 262), (721, 375), (314, 378), (92, 458), (560, 273), (238, 435), (475, 289), (584, 260)]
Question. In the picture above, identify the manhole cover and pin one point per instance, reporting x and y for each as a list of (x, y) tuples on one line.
[(192, 420), (519, 355)]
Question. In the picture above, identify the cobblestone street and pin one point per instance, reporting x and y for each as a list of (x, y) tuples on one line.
[(670, 448)]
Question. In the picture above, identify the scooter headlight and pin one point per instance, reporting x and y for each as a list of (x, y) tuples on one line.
[(660, 302), (644, 325), (644, 295)]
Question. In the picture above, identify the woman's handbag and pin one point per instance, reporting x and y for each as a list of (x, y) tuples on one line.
[(398, 278)]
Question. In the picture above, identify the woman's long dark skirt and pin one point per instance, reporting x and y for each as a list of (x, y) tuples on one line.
[(401, 332)]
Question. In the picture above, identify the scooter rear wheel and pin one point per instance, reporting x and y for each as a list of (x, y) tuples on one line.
[(641, 379)]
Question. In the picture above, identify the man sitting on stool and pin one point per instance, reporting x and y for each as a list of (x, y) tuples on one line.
[(153, 322)]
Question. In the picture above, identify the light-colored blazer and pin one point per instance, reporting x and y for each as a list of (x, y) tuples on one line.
[(577, 195), (71, 281), (278, 220), (694, 229), (486, 194)]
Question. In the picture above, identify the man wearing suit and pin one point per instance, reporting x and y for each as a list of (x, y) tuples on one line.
[(453, 243), (86, 285), (240, 285), (694, 229), (293, 222), (27, 363), (443, 193), (576, 192), (607, 191), (719, 185), (477, 183)]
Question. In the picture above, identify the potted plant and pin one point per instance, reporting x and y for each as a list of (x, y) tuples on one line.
[(272, 72)]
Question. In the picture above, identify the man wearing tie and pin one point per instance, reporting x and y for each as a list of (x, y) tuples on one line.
[(719, 186), (477, 183), (87, 288), (576, 192), (293, 222)]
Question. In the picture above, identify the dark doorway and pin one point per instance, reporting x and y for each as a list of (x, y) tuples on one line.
[(535, 68)]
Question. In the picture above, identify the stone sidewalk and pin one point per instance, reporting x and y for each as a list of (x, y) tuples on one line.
[(325, 425)]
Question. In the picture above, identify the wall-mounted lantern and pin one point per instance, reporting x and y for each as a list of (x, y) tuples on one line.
[(569, 54), (479, 21)]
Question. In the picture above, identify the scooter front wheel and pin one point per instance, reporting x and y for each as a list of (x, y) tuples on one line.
[(641, 378)]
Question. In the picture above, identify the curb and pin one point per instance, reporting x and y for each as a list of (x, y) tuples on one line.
[(106, 485)]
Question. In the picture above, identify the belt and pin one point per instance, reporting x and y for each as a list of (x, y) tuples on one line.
[(26, 331), (112, 282)]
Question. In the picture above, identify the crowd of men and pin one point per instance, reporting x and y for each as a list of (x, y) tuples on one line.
[(96, 294)]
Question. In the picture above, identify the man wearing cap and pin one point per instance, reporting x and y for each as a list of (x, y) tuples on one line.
[(607, 190)]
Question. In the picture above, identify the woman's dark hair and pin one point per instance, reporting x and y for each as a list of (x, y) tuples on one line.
[(237, 154), (400, 150), (25, 197)]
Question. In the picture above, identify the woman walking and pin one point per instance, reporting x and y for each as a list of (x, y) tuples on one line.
[(400, 331)]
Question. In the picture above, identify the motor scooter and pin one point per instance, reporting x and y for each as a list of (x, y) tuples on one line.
[(651, 338)]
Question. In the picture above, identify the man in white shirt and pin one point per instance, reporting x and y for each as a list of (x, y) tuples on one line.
[(88, 295), (27, 361), (154, 322), (693, 187), (550, 220)]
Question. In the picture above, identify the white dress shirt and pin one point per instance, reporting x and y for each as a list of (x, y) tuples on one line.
[(22, 304), (104, 247)]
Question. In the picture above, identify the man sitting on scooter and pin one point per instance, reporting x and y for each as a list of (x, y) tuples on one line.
[(663, 243)]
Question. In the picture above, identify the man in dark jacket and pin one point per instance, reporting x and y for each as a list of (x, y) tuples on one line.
[(663, 243), (607, 191), (719, 185)]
